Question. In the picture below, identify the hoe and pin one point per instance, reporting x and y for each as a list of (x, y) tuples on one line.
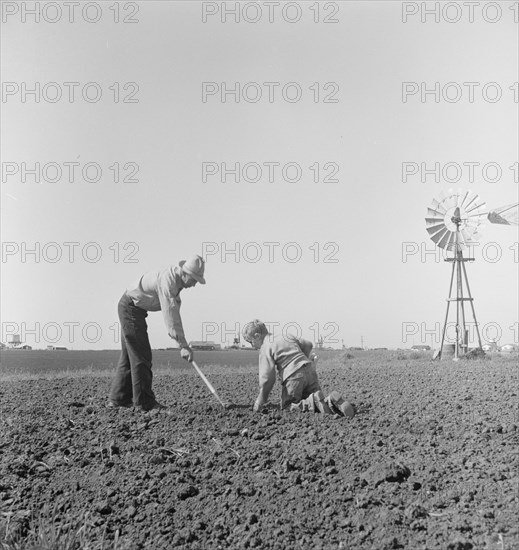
[(210, 386)]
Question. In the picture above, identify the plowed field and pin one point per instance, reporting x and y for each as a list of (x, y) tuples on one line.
[(429, 462)]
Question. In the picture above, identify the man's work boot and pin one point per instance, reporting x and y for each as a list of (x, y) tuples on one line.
[(113, 405)]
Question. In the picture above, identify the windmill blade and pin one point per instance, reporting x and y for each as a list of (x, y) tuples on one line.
[(451, 243), (435, 229), (438, 207), (475, 207), (450, 202), (473, 220), (466, 240), (477, 215), (462, 197), (471, 201), (442, 195), (435, 213), (442, 243), (433, 221), (476, 236), (466, 235), (436, 237)]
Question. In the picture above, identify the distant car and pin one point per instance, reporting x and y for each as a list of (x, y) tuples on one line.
[(421, 348), (25, 347)]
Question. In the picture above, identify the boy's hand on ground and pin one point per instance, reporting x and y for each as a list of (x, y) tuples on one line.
[(187, 354)]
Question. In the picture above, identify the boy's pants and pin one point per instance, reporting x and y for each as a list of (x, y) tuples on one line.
[(133, 377), (299, 386)]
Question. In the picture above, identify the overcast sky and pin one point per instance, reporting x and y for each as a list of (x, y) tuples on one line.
[(330, 101)]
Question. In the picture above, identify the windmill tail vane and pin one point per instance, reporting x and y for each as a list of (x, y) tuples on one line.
[(505, 215)]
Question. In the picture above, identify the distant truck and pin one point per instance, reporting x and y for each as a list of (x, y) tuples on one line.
[(56, 348), (204, 346)]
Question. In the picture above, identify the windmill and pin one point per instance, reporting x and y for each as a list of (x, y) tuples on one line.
[(453, 222)]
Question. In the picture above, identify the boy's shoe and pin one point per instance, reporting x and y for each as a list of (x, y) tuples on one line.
[(113, 405), (338, 404), (320, 403)]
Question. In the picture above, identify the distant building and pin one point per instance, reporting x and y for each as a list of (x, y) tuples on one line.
[(204, 346), (491, 346)]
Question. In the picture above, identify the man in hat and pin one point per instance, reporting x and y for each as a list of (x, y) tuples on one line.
[(153, 292)]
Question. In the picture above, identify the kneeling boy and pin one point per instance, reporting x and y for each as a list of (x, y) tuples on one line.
[(294, 362)]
